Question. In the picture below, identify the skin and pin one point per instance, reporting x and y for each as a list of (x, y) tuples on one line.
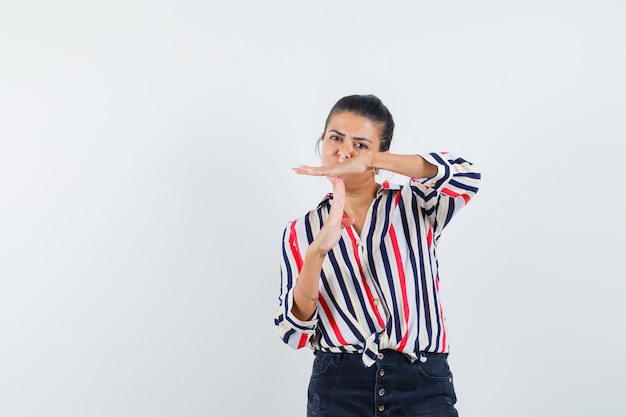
[(350, 153)]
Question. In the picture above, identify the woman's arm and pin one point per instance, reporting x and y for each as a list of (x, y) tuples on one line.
[(307, 284), (296, 317), (413, 166)]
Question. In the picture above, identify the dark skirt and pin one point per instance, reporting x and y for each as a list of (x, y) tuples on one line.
[(342, 386)]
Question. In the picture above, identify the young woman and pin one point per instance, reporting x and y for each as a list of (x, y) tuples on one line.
[(359, 280)]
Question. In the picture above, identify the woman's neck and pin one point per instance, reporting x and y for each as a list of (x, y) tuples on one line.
[(359, 197)]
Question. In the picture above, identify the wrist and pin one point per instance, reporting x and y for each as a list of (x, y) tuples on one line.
[(315, 252)]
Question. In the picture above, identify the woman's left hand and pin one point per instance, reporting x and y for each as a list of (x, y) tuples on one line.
[(357, 165)]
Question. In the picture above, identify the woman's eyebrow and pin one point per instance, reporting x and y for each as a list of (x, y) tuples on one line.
[(343, 135)]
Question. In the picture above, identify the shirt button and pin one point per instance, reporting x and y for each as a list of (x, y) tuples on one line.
[(381, 408), (381, 392), (381, 372), (380, 356), (376, 301)]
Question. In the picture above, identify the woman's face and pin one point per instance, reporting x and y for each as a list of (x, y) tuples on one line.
[(348, 135)]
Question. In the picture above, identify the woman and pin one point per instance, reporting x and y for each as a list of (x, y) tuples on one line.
[(359, 281)]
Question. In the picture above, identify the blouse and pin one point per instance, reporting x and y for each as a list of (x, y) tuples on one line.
[(380, 289)]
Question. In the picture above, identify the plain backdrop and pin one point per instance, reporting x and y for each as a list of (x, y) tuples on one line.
[(146, 150)]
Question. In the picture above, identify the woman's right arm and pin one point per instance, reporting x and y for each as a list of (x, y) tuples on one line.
[(296, 318), (307, 284)]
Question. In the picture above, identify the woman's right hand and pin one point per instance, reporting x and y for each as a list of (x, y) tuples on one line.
[(330, 233)]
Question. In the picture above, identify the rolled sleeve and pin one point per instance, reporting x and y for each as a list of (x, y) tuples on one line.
[(293, 331), (455, 177), (450, 189)]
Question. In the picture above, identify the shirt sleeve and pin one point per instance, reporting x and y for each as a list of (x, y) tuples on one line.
[(451, 189), (294, 332)]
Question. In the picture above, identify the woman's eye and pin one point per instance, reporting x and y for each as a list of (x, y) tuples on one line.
[(333, 137), (361, 146)]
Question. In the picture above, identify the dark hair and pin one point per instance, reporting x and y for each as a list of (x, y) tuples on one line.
[(370, 106)]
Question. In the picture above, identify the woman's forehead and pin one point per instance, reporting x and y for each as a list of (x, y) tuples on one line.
[(353, 125)]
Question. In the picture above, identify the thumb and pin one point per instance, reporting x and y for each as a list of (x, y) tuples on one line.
[(348, 221)]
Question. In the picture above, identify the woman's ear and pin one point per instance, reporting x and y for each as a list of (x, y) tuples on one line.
[(317, 145)]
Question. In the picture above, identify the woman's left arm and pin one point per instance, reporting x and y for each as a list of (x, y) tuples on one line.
[(440, 172), (413, 166)]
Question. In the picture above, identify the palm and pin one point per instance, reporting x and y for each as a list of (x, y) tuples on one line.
[(330, 233)]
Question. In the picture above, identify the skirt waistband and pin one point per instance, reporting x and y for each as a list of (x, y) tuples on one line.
[(384, 356)]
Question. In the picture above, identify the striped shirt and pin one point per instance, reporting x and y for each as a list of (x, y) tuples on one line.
[(380, 289)]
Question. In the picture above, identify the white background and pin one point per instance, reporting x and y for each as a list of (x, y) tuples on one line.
[(145, 179)]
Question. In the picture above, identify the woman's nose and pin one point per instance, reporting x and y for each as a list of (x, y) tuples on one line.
[(345, 152)]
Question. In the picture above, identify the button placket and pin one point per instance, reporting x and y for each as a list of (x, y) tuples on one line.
[(360, 250), (381, 397)]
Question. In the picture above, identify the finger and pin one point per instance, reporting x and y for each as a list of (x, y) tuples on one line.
[(348, 221), (306, 170), (301, 169), (336, 209), (339, 192)]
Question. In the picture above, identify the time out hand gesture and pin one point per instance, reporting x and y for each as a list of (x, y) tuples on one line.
[(331, 231)]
